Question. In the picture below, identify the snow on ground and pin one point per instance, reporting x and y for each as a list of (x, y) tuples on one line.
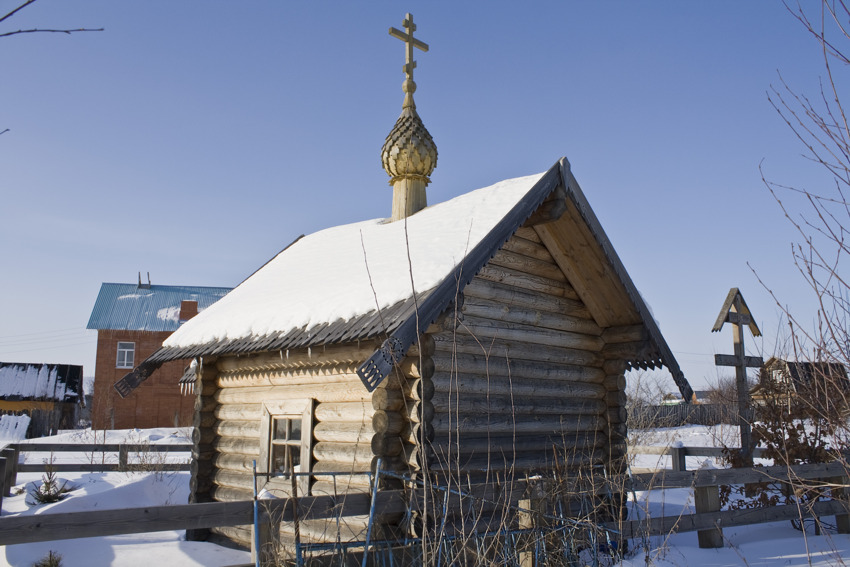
[(760, 545), (108, 490), (753, 546)]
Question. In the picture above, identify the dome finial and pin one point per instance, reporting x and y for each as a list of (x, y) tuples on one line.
[(409, 155)]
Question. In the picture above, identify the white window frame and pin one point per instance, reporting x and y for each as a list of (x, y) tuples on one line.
[(288, 409), (121, 361)]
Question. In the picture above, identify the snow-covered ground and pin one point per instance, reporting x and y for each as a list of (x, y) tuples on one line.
[(763, 545), (101, 491)]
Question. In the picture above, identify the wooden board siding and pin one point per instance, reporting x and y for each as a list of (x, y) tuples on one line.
[(518, 378)]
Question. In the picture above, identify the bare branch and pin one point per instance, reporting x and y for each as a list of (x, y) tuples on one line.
[(51, 31), (18, 9)]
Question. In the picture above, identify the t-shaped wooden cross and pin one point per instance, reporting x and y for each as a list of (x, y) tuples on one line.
[(410, 42)]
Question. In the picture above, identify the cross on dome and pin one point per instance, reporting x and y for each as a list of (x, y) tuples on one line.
[(410, 43)]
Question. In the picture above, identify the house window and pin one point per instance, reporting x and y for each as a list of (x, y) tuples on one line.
[(285, 449), (287, 445), (126, 354)]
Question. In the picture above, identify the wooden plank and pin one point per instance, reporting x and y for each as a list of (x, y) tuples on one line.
[(732, 360), (725, 518), (101, 447), (580, 257), (714, 477), (96, 467)]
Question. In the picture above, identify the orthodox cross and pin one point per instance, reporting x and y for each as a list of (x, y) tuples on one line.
[(410, 42), (736, 312)]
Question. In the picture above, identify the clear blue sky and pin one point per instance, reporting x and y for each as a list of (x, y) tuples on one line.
[(195, 139)]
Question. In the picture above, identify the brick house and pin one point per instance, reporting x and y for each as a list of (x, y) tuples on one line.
[(132, 321)]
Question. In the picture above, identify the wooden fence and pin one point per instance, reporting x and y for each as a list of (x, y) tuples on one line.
[(96, 454), (708, 520), (647, 417)]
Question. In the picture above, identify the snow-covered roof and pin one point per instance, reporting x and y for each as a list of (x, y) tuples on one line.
[(345, 272), (357, 281), (49, 382)]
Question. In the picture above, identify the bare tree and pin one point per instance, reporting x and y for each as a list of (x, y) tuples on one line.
[(39, 30), (823, 221)]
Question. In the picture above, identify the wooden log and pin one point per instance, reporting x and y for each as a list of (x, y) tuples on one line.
[(449, 343), (421, 412), (626, 351), (517, 463), (424, 346), (386, 445), (415, 367), (315, 377), (476, 384), (238, 445), (527, 282), (359, 455), (338, 432), (238, 428), (231, 479), (242, 463), (228, 494), (528, 248), (386, 399), (528, 234), (238, 411), (337, 392), (203, 436), (352, 353), (488, 329), (451, 445), (509, 295), (487, 309), (344, 411), (418, 389), (414, 434), (508, 259), (615, 383), (517, 370), (388, 423), (625, 334), (542, 424), (615, 399), (343, 486), (475, 404)]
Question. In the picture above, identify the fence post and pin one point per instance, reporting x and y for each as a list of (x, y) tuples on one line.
[(528, 519), (8, 455), (678, 456), (269, 534), (2, 480), (122, 457), (842, 521), (707, 499)]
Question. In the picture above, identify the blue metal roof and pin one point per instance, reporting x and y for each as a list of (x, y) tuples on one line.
[(130, 307)]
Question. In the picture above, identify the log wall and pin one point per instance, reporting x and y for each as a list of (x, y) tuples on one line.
[(518, 375), (232, 410)]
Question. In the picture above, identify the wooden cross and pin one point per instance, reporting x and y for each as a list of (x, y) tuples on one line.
[(736, 312), (410, 42)]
